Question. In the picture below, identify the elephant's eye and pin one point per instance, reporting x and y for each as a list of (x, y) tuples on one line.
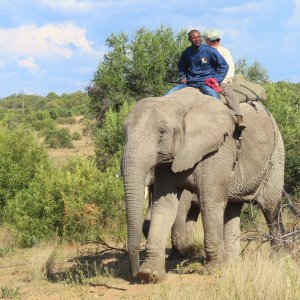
[(162, 129)]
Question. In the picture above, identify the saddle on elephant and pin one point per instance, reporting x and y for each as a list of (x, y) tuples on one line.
[(246, 90)]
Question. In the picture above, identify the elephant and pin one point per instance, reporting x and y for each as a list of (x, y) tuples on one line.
[(191, 141)]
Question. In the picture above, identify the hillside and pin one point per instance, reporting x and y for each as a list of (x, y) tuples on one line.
[(82, 148)]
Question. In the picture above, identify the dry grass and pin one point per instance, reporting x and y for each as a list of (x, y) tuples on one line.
[(256, 276), (259, 276), (85, 272), (7, 238), (41, 263)]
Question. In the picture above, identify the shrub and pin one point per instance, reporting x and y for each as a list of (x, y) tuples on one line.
[(93, 201), (77, 203), (68, 120), (40, 120), (135, 68), (284, 103), (76, 136), (249, 217), (58, 138), (20, 157), (110, 138), (36, 213)]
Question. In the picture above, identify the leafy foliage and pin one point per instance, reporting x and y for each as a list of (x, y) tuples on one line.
[(39, 113), (20, 158), (135, 69), (58, 138), (110, 138), (284, 103), (254, 72), (76, 136), (76, 203)]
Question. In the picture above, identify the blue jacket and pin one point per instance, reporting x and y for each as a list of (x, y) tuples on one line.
[(196, 65)]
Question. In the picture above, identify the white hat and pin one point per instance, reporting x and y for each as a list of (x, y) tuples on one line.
[(211, 34)]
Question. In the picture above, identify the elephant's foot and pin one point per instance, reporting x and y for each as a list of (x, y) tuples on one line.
[(212, 266), (152, 271)]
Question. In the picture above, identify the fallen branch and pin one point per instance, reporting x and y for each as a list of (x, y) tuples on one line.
[(292, 206), (103, 243)]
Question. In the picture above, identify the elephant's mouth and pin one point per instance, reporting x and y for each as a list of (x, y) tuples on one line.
[(164, 158)]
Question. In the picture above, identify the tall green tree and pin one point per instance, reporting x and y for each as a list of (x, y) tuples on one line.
[(135, 68), (254, 72)]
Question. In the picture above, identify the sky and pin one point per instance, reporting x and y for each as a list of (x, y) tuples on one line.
[(57, 45)]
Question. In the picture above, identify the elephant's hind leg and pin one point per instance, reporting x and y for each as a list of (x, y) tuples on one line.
[(270, 195), (232, 247), (184, 228), (269, 201), (273, 218)]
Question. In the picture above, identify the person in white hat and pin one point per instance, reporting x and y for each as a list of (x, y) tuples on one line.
[(213, 38)]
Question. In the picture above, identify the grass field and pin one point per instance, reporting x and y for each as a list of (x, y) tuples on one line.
[(93, 271)]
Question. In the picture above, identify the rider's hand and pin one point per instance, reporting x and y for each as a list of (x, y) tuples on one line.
[(183, 80)]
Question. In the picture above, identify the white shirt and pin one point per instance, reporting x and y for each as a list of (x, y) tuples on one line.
[(229, 59)]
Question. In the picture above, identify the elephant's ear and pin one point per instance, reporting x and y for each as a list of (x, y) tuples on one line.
[(206, 124)]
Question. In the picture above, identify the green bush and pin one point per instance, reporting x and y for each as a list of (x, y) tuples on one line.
[(11, 120), (110, 138), (40, 120), (68, 120), (36, 213), (249, 216), (58, 138), (93, 201), (76, 136), (77, 203), (20, 157), (284, 103), (254, 72), (135, 68)]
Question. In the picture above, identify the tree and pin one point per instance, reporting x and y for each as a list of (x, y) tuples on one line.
[(136, 68), (254, 72)]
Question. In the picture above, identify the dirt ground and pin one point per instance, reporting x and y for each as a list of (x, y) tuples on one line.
[(86, 272)]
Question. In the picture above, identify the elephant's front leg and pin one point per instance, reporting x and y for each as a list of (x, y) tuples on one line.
[(164, 209), (213, 218)]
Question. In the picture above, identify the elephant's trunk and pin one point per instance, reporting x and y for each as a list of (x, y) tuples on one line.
[(135, 166), (134, 193)]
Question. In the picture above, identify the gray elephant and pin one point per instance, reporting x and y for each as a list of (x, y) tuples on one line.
[(191, 141)]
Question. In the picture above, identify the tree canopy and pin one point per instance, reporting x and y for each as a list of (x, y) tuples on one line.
[(144, 65)]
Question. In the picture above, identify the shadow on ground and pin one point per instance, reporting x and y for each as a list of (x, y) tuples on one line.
[(94, 268)]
